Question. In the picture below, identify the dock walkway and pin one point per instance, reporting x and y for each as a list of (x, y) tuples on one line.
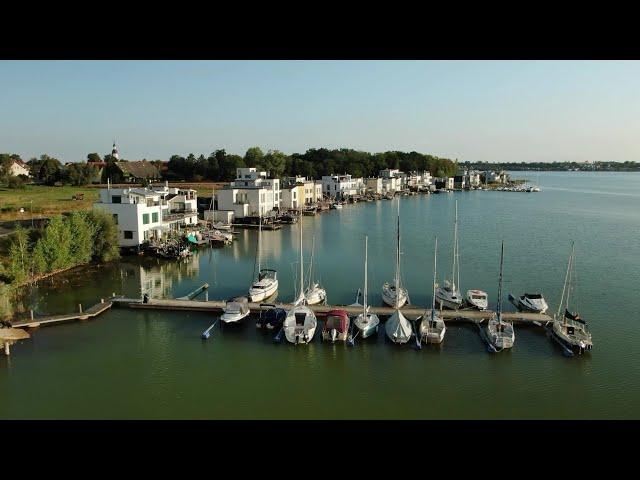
[(410, 311), (94, 311)]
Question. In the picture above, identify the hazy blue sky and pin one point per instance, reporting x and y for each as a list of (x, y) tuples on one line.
[(493, 111)]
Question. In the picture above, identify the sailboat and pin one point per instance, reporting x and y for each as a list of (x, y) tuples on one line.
[(394, 294), (315, 293), (449, 296), (432, 329), (266, 284), (300, 323), (397, 327), (500, 334), (569, 329), (367, 323)]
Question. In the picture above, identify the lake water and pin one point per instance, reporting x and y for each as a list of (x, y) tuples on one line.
[(151, 364)]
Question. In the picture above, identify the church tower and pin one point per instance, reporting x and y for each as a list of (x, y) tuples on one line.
[(114, 152)]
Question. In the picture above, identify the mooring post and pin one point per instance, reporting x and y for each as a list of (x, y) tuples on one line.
[(206, 295), (7, 352), (80, 306), (31, 311), (102, 300)]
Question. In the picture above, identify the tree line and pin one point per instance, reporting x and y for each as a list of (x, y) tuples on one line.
[(314, 163), (66, 241), (221, 166)]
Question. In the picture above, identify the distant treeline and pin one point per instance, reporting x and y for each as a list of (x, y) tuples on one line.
[(65, 242), (314, 163), (555, 166), (221, 166)]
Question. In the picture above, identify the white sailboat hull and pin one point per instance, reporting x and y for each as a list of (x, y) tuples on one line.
[(389, 295), (448, 299), (315, 295), (501, 338), (300, 332), (432, 331), (367, 324), (398, 328)]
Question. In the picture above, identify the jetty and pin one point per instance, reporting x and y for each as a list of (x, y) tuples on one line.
[(81, 314), (410, 311)]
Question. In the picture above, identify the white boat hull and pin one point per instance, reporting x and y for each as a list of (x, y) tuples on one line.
[(448, 300), (389, 296), (233, 317), (367, 325), (502, 338), (259, 294), (300, 334), (432, 333), (315, 295)]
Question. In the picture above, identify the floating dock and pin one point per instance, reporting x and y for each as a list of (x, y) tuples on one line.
[(94, 311), (410, 311)]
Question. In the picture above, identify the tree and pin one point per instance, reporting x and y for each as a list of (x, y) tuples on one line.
[(80, 174), (93, 157), (19, 257), (49, 170), (274, 162), (105, 239), (253, 157)]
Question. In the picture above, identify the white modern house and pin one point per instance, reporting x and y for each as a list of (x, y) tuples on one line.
[(342, 186), (393, 180), (419, 180), (251, 194), (142, 214)]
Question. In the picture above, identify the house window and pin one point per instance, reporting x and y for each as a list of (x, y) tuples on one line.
[(116, 199), (145, 218), (128, 235), (115, 218), (154, 217), (145, 234)]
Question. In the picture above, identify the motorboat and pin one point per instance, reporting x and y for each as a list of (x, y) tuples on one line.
[(336, 326), (569, 329), (336, 206), (266, 285), (432, 326), (366, 323), (530, 302), (235, 310), (394, 294), (449, 296), (477, 299), (500, 334)]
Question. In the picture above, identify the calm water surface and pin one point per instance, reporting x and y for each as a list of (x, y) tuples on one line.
[(132, 364)]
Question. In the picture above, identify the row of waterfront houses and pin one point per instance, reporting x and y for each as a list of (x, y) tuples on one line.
[(152, 213)]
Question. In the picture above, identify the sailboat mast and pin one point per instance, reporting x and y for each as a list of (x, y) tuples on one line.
[(301, 265), (397, 280), (570, 283), (366, 255), (259, 243), (313, 251), (433, 292), (564, 286), (499, 307), (454, 268)]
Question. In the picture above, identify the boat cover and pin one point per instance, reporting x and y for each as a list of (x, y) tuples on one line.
[(275, 316), (337, 319)]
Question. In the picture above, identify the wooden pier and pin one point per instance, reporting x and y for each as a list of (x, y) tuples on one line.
[(94, 311), (410, 311)]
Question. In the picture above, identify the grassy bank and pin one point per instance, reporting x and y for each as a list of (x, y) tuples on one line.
[(46, 201)]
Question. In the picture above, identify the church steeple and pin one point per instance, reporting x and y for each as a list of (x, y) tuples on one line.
[(114, 152)]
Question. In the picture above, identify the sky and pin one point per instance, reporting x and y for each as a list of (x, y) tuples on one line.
[(494, 111)]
